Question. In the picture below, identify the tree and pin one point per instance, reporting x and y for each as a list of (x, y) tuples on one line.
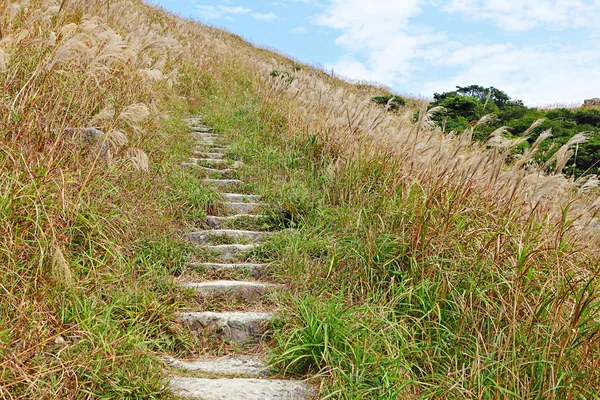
[(469, 103)]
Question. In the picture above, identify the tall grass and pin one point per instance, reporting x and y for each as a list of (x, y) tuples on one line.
[(414, 282), (86, 296)]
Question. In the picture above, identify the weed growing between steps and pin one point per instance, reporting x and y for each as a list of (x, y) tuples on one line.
[(404, 287)]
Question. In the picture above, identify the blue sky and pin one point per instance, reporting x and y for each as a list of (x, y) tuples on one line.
[(541, 51)]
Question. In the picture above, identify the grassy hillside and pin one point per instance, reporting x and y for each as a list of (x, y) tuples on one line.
[(423, 265)]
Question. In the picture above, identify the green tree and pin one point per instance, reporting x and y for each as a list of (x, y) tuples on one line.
[(468, 104)]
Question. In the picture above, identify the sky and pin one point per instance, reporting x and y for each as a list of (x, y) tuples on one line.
[(544, 52)]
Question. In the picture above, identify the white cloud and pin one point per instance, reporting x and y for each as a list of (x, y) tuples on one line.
[(384, 42), (466, 55), (382, 33), (536, 75), (265, 16), (522, 15), (360, 14), (285, 3), (347, 66), (299, 30), (228, 12), (220, 12)]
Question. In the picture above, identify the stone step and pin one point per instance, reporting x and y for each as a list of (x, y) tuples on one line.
[(255, 270), (213, 170), (202, 134), (209, 155), (223, 183), (238, 389), (206, 237), (200, 128), (196, 123), (205, 132), (219, 221), (217, 163), (214, 145), (210, 149), (241, 208), (235, 326), (247, 366), (206, 139), (231, 252), (244, 289), (240, 198)]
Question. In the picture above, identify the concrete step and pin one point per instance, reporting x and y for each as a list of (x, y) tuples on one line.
[(218, 221), (213, 156), (241, 207), (240, 198), (206, 237), (208, 140), (255, 270), (205, 132), (216, 149), (204, 135), (246, 366), (213, 170), (200, 128), (238, 389), (205, 139), (210, 149), (223, 183), (217, 163), (244, 289), (231, 252), (213, 145), (237, 327)]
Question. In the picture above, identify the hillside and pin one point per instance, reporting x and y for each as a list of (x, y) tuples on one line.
[(421, 264)]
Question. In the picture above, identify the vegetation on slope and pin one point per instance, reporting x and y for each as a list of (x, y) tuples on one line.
[(467, 105), (424, 264), (406, 286), (87, 222)]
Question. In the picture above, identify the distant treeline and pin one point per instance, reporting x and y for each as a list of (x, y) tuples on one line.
[(467, 105)]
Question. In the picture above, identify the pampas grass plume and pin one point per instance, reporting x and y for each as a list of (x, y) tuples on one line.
[(138, 158), (59, 268), (4, 57), (135, 113)]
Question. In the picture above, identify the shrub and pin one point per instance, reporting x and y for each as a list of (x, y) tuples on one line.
[(284, 75), (394, 102)]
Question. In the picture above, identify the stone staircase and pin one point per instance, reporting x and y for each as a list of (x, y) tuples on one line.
[(225, 250)]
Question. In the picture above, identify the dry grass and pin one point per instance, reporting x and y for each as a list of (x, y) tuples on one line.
[(74, 213)]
